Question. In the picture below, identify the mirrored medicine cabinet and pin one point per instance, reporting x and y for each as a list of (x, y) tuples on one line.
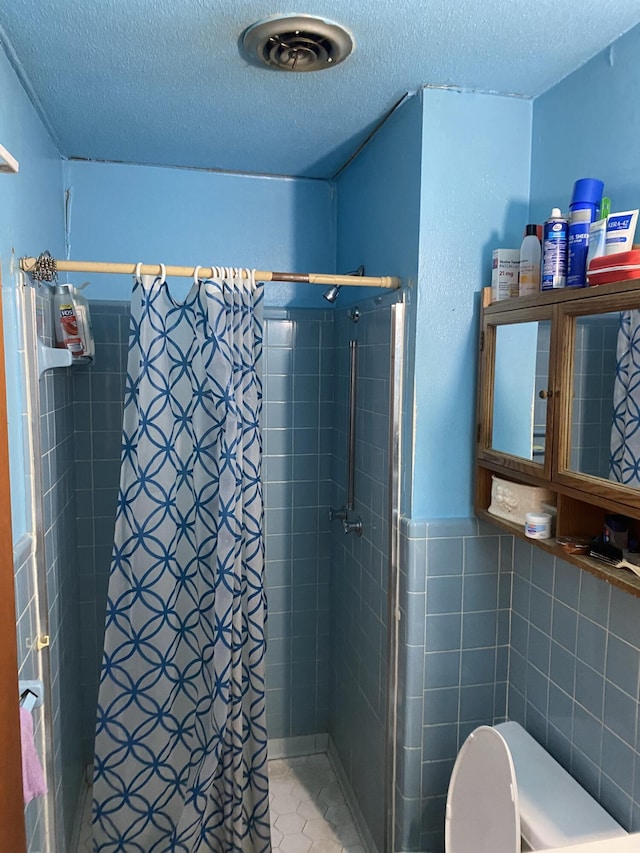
[(559, 408)]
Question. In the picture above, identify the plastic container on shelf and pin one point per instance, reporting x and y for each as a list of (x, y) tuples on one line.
[(73, 322), (530, 259), (538, 525), (625, 266)]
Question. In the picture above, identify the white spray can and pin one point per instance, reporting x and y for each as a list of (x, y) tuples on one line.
[(554, 251)]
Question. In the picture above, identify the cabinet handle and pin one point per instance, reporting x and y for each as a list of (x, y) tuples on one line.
[(545, 395)]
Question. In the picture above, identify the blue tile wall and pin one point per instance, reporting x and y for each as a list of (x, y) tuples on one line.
[(59, 512), (359, 578), (29, 667), (98, 393), (298, 381), (455, 598), (575, 660), (595, 370), (509, 631)]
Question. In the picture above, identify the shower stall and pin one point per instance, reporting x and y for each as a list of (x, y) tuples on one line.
[(332, 596)]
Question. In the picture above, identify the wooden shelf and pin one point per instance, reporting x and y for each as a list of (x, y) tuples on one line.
[(561, 294), (622, 578)]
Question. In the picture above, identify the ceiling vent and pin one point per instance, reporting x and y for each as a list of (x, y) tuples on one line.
[(297, 43)]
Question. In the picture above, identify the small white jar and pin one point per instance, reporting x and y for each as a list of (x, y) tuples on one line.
[(538, 525)]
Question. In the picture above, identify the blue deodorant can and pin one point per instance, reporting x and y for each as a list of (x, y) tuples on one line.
[(583, 210), (555, 240)]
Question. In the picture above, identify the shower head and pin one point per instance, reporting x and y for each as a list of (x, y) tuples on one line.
[(332, 294)]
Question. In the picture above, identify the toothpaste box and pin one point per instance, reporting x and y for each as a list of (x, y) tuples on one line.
[(504, 275)]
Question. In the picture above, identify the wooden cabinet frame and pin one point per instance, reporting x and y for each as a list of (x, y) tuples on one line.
[(582, 500)]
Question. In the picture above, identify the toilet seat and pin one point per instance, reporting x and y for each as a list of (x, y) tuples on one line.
[(483, 813)]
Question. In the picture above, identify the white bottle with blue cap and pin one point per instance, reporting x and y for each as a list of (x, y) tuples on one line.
[(554, 251)]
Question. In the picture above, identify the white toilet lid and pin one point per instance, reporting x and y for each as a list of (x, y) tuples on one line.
[(483, 814)]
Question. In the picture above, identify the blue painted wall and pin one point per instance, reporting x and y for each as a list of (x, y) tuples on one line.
[(378, 225), (378, 203), (181, 216), (31, 219), (474, 198), (588, 126)]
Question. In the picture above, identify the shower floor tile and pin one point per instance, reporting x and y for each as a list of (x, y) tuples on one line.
[(308, 810), (309, 813)]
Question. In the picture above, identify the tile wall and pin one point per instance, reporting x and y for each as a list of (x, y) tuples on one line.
[(64, 759), (298, 389), (98, 394), (64, 612), (595, 371), (574, 675), (359, 578), (30, 668), (496, 628), (455, 590), (30, 615)]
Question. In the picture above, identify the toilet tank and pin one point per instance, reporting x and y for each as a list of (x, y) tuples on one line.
[(555, 810)]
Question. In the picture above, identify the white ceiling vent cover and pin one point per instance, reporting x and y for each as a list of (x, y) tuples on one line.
[(297, 43)]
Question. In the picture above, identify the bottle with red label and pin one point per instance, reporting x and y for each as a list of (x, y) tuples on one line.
[(73, 322)]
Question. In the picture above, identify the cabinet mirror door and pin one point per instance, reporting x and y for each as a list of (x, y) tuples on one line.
[(517, 395), (604, 438), (521, 374)]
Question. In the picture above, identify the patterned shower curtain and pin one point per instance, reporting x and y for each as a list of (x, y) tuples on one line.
[(181, 742), (624, 464)]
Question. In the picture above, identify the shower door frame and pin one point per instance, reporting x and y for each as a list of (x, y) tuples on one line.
[(396, 391)]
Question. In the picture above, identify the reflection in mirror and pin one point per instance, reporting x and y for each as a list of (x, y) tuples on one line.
[(521, 372), (605, 412)]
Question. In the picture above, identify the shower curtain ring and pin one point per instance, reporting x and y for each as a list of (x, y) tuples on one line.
[(137, 272), (195, 274), (163, 274)]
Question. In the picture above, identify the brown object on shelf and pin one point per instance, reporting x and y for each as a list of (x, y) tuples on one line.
[(574, 544)]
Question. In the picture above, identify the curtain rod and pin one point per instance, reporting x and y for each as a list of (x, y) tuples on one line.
[(386, 281)]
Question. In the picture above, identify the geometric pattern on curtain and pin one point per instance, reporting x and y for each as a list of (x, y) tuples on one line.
[(181, 741), (624, 462)]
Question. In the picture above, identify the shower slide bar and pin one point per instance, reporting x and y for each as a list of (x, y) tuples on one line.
[(351, 446), (44, 268), (342, 514)]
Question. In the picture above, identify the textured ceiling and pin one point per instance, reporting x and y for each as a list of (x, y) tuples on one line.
[(163, 82)]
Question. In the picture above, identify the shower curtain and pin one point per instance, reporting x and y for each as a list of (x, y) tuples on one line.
[(624, 463), (181, 743)]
